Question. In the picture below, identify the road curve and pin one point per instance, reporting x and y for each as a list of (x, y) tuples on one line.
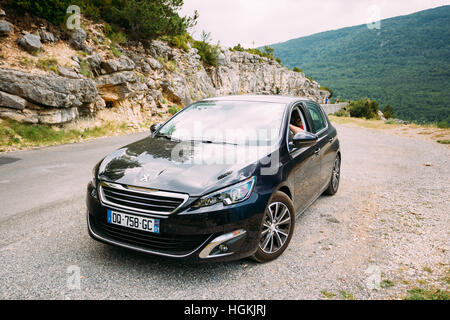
[(389, 221)]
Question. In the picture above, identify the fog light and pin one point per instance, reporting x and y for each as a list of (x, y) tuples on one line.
[(223, 248), (94, 193)]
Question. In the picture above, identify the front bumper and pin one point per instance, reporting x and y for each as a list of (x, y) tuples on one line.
[(188, 234)]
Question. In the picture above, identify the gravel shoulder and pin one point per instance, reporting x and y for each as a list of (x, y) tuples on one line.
[(388, 225)]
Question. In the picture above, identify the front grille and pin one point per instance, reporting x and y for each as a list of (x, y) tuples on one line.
[(170, 244), (140, 200)]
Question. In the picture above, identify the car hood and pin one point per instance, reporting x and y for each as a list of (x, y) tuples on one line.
[(192, 168)]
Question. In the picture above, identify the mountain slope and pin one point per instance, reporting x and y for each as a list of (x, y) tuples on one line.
[(406, 63)]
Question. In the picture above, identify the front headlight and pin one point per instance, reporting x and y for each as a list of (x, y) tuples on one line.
[(94, 173), (94, 177), (230, 195)]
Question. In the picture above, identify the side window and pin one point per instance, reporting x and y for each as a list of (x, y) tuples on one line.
[(297, 118), (317, 117)]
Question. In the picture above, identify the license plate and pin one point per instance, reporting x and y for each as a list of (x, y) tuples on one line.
[(133, 222)]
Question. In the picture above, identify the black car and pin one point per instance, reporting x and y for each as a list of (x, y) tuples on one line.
[(223, 179)]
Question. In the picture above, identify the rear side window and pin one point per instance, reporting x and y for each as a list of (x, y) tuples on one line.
[(317, 117)]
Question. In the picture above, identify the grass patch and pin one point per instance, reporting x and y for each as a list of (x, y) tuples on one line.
[(346, 295), (173, 109), (327, 294), (15, 135), (48, 64), (427, 269), (443, 141), (170, 65), (387, 284), (25, 61), (427, 294)]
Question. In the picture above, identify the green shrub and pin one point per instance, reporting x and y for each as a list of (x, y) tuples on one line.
[(443, 124), (208, 53), (238, 47), (295, 69), (388, 112), (115, 51), (85, 68), (364, 108), (181, 41), (173, 109), (341, 113)]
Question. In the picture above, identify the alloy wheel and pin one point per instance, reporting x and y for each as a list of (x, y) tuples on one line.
[(276, 228), (336, 173)]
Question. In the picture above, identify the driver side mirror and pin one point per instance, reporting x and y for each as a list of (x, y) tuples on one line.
[(155, 127), (305, 139)]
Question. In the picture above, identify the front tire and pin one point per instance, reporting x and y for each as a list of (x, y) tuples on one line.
[(277, 229)]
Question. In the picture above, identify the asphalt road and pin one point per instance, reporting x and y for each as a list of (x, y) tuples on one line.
[(389, 220)]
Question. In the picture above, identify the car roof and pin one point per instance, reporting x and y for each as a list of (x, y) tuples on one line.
[(259, 98)]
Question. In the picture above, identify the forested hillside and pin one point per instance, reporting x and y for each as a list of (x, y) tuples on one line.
[(405, 63)]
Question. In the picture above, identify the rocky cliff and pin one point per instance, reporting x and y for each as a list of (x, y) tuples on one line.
[(83, 77)]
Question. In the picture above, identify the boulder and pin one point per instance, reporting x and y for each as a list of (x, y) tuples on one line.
[(26, 116), (47, 36), (154, 64), (2, 13), (51, 91), (30, 42), (11, 101), (57, 116), (77, 39), (117, 65), (95, 61), (6, 28), (116, 86), (67, 73)]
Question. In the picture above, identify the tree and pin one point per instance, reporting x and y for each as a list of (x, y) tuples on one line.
[(364, 108), (269, 51), (150, 19), (388, 112)]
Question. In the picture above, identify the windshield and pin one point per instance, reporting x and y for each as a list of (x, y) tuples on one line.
[(228, 122)]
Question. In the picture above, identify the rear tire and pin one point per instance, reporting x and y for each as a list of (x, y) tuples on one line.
[(277, 229), (335, 177)]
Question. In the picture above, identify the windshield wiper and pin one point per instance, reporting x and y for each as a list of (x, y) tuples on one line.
[(162, 135), (213, 142)]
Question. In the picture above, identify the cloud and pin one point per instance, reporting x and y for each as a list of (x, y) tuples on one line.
[(259, 22)]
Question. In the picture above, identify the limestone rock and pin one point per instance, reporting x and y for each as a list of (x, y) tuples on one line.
[(77, 39), (11, 101), (117, 65), (47, 36), (26, 116), (57, 116), (117, 86), (30, 42), (51, 91), (67, 73), (6, 28)]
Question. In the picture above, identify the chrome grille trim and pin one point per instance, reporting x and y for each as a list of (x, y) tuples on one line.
[(135, 192)]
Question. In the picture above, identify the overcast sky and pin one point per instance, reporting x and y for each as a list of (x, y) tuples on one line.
[(255, 23)]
